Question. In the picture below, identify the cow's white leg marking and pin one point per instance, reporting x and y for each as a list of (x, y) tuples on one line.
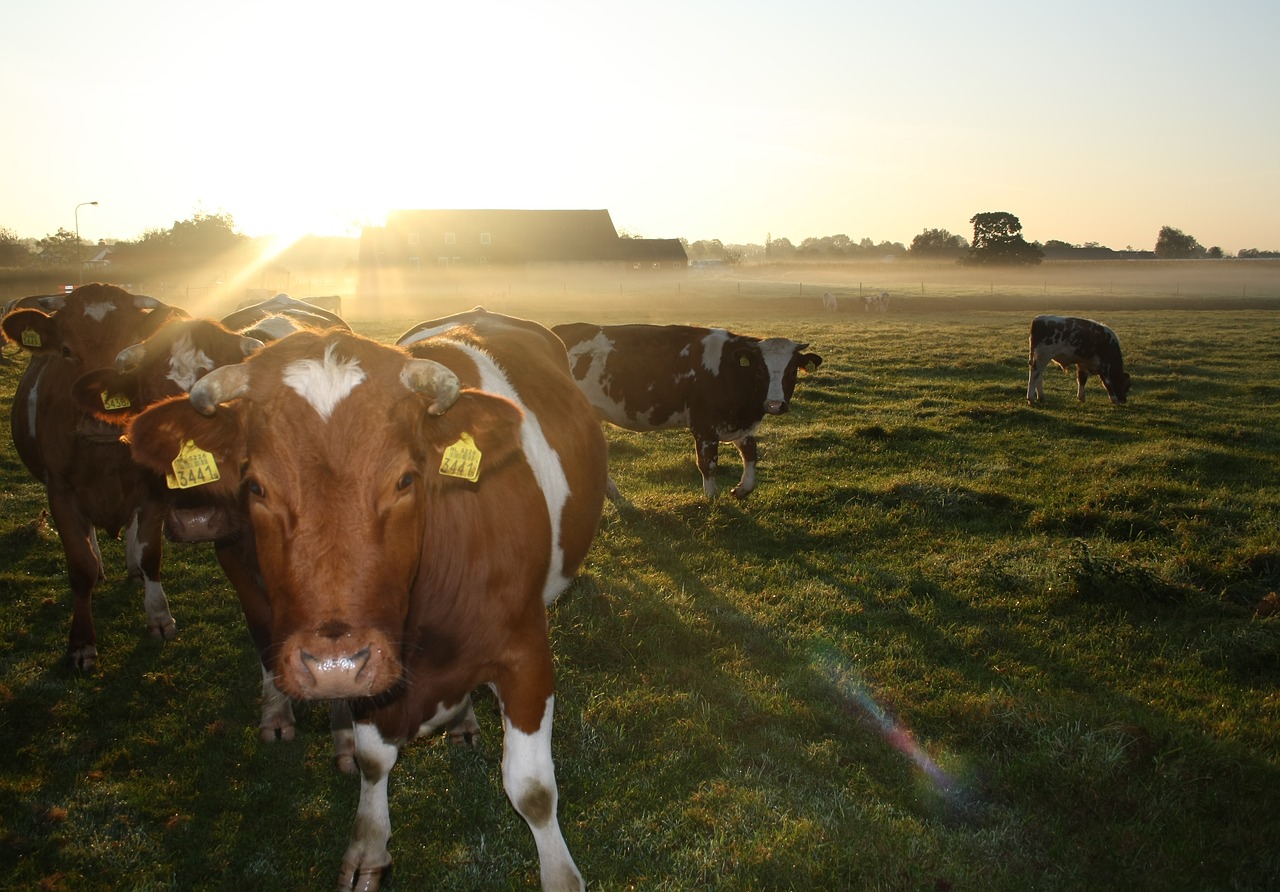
[(159, 620), (277, 712), (529, 777), (367, 857)]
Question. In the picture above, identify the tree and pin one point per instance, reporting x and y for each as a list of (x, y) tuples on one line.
[(938, 243), (62, 247), (997, 240), (12, 251), (1174, 244), (188, 243)]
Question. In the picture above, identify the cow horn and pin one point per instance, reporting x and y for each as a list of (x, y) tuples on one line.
[(130, 357), (143, 302), (53, 303), (432, 379), (248, 345), (219, 386)]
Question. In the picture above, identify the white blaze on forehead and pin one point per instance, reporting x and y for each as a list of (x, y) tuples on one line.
[(187, 363), (324, 383), (98, 310), (713, 349), (777, 353)]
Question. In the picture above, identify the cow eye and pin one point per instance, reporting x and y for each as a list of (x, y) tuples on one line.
[(66, 352), (255, 488), (404, 482)]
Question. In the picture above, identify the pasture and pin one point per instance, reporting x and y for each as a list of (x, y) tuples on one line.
[(950, 642)]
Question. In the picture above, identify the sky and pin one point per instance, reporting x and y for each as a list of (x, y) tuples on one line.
[(735, 120)]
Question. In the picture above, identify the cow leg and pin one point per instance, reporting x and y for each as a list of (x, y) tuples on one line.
[(708, 454), (367, 859), (342, 728), (464, 729), (748, 449), (143, 540), (84, 570), (526, 695), (1035, 380), (277, 720), (611, 490), (1082, 375)]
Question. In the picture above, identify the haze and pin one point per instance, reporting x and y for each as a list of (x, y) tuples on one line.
[(1094, 122)]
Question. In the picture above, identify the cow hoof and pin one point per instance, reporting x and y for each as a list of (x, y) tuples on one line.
[(346, 763), (271, 732), (739, 494), (164, 627), (83, 658), (366, 879)]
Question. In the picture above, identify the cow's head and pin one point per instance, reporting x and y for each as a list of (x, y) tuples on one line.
[(781, 360), (89, 326), (335, 449), (168, 363), (1116, 382)]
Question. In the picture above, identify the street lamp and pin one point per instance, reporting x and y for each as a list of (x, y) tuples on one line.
[(79, 260)]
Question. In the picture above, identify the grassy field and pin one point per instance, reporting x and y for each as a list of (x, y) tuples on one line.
[(951, 642)]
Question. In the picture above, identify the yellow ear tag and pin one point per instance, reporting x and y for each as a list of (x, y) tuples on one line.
[(116, 401), (462, 459), (192, 467), (31, 338), (744, 362)]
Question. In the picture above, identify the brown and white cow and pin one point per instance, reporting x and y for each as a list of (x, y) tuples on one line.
[(91, 481), (1090, 346), (169, 363), (717, 384), (414, 510)]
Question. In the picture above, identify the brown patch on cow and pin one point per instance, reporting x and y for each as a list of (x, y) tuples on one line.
[(537, 805)]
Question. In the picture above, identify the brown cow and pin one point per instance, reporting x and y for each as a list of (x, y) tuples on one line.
[(90, 479), (168, 363), (413, 509), (717, 384)]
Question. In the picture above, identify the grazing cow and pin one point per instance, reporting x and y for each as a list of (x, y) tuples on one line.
[(168, 363), (414, 509), (90, 479), (1090, 346), (829, 302), (717, 384), (876, 303)]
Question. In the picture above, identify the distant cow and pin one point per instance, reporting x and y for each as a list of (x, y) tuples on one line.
[(829, 302), (1090, 346), (91, 481), (169, 363), (413, 510), (876, 303), (717, 384)]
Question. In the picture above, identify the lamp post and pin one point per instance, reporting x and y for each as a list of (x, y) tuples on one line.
[(79, 259)]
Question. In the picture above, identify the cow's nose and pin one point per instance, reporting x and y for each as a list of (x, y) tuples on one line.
[(776, 407), (338, 675)]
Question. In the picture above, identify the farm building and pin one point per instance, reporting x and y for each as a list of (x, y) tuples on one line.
[(425, 246)]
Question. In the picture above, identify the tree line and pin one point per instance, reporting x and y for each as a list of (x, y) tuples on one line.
[(997, 241)]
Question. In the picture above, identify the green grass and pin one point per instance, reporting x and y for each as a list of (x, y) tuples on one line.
[(951, 642)]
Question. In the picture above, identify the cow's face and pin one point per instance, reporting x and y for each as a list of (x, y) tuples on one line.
[(1117, 385), (333, 448), (782, 359), (168, 363), (88, 327)]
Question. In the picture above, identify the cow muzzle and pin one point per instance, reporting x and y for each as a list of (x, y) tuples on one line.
[(776, 407), (338, 669)]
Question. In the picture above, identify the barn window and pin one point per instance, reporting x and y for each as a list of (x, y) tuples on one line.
[(450, 238), (486, 238), (442, 261), (414, 262), (413, 238), (657, 265)]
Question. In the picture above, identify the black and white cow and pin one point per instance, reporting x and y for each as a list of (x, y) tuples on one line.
[(717, 384), (1090, 346)]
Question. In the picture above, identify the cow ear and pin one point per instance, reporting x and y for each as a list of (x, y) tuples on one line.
[(157, 436), (478, 436), (810, 362), (107, 394), (34, 330)]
